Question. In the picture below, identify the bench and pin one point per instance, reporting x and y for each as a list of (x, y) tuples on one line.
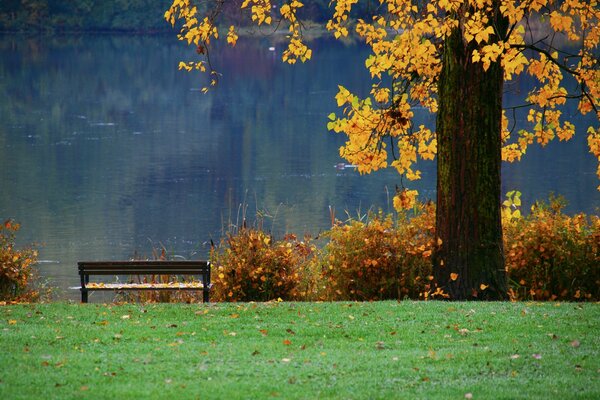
[(140, 268)]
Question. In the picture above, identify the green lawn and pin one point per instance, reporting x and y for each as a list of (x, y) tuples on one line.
[(301, 350)]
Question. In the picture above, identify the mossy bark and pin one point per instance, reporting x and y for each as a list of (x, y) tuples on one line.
[(469, 263)]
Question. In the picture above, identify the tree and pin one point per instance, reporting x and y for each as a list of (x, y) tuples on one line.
[(451, 57)]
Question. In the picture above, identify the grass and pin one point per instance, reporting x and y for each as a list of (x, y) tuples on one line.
[(378, 350)]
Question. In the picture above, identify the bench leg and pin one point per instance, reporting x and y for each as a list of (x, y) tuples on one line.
[(205, 295), (84, 295)]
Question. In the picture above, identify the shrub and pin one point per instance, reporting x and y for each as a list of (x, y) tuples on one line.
[(250, 266), (550, 255), (379, 259), (16, 273), (158, 296)]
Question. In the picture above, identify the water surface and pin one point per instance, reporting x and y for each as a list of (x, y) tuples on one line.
[(107, 150)]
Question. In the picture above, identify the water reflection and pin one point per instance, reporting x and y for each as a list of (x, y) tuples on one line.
[(107, 150)]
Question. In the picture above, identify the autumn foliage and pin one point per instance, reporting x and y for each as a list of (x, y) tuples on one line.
[(249, 265), (549, 256), (16, 270), (553, 256), (406, 38), (379, 259)]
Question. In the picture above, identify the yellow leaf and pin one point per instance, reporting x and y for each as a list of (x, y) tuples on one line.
[(483, 286), (453, 276)]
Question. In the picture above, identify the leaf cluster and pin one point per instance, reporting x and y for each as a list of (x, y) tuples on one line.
[(549, 256), (16, 271), (249, 265), (553, 256), (379, 259)]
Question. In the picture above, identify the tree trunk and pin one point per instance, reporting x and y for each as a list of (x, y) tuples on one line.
[(469, 263)]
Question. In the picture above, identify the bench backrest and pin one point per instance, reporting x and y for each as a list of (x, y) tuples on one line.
[(144, 268)]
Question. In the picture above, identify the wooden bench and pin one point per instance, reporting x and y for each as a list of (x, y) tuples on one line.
[(144, 268)]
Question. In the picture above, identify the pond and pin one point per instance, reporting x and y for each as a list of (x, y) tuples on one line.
[(108, 151)]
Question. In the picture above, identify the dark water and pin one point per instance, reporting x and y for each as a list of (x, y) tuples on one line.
[(107, 151)]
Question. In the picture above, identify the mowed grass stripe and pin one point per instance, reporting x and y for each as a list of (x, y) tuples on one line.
[(301, 350)]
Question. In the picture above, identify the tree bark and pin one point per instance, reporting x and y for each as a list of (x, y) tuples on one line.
[(469, 263)]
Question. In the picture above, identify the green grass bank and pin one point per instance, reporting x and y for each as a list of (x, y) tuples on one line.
[(377, 350)]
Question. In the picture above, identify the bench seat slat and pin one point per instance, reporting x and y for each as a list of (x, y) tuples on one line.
[(125, 286)]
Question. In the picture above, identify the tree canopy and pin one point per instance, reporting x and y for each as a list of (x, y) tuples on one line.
[(451, 57), (546, 39)]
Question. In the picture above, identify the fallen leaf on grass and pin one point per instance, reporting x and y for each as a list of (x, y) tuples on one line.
[(263, 332), (12, 321), (537, 356), (432, 354), (575, 343), (126, 316), (468, 395), (287, 342), (515, 356), (286, 360), (291, 332)]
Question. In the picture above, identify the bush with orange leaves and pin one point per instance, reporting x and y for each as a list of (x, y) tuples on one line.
[(379, 259), (553, 256), (15, 266), (249, 265)]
